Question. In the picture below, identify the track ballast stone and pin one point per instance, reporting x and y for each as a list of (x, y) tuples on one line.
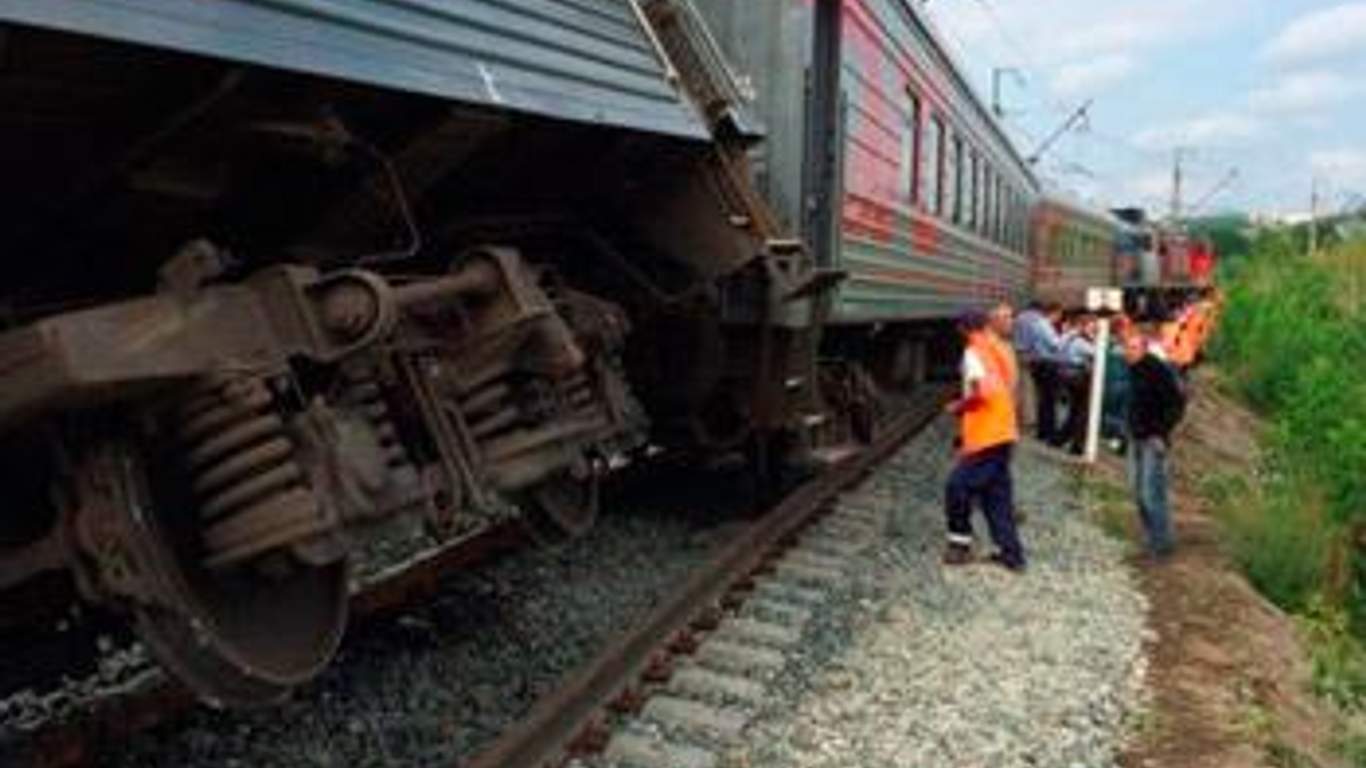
[(449, 675), (968, 667)]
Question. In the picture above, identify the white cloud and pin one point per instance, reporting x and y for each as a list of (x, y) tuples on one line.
[(1051, 34), (1304, 92), (1154, 184), (1215, 128), (1342, 167), (1088, 77), (1325, 34)]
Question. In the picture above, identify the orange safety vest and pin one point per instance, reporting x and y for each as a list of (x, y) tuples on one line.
[(1204, 314), (1187, 343), (990, 421)]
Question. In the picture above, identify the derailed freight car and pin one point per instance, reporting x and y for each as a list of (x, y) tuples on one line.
[(285, 274)]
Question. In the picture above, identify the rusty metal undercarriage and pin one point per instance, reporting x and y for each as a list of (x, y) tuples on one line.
[(222, 447), (205, 458)]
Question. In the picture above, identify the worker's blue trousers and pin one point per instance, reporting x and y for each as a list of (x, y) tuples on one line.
[(984, 476), (1148, 473)]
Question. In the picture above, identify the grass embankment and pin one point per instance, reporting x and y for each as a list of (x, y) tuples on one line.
[(1292, 345)]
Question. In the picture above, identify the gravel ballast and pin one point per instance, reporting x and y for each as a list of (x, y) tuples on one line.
[(905, 663), (444, 678), (972, 666)]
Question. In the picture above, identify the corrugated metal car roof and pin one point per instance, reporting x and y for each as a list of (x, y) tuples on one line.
[(583, 60)]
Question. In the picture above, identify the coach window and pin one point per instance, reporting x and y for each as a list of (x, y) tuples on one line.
[(1011, 208), (1011, 212), (971, 220), (932, 163), (940, 160), (1001, 211), (910, 153), (983, 225), (949, 190), (995, 226), (960, 168), (1005, 214), (997, 211), (1021, 223)]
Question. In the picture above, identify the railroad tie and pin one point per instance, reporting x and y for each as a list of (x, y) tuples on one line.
[(806, 575), (748, 631), (775, 590), (727, 656), (834, 546), (710, 724), (781, 612), (636, 750), (698, 682), (809, 558)]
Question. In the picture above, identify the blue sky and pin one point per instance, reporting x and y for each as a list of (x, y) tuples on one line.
[(1274, 89)]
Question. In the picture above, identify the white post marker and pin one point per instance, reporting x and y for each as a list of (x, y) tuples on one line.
[(1096, 300)]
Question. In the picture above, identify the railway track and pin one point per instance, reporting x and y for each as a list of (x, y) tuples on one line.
[(696, 663), (714, 640)]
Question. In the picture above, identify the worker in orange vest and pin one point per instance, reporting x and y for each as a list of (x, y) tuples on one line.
[(1189, 337), (987, 436), (1182, 353), (1202, 327)]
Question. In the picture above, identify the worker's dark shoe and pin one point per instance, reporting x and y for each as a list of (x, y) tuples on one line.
[(958, 554), (1013, 567)]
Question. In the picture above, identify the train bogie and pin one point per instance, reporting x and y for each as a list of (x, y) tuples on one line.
[(329, 270)]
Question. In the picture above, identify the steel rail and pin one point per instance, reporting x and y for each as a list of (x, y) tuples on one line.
[(569, 716)]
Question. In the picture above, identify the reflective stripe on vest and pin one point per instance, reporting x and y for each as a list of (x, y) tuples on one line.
[(991, 420)]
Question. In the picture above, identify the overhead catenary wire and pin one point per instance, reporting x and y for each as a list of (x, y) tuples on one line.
[(1076, 154)]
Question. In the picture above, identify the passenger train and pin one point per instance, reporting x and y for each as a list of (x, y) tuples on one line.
[(286, 275)]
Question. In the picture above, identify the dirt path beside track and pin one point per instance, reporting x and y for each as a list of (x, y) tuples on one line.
[(1228, 674)]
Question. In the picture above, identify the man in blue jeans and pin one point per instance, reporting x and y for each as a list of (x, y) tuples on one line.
[(1156, 405)]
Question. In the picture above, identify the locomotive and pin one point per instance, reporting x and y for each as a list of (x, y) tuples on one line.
[(286, 276), (1160, 265)]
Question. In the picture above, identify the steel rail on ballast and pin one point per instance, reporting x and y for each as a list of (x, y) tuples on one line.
[(560, 720)]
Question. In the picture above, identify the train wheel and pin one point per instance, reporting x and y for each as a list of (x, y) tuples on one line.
[(238, 636), (562, 508)]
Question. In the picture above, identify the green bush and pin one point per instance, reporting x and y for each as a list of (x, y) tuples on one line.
[(1280, 544), (1294, 350), (1339, 660)]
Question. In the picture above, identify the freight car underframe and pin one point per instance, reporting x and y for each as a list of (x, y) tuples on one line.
[(207, 441)]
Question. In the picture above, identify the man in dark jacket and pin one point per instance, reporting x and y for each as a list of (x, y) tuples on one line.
[(1156, 405)]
